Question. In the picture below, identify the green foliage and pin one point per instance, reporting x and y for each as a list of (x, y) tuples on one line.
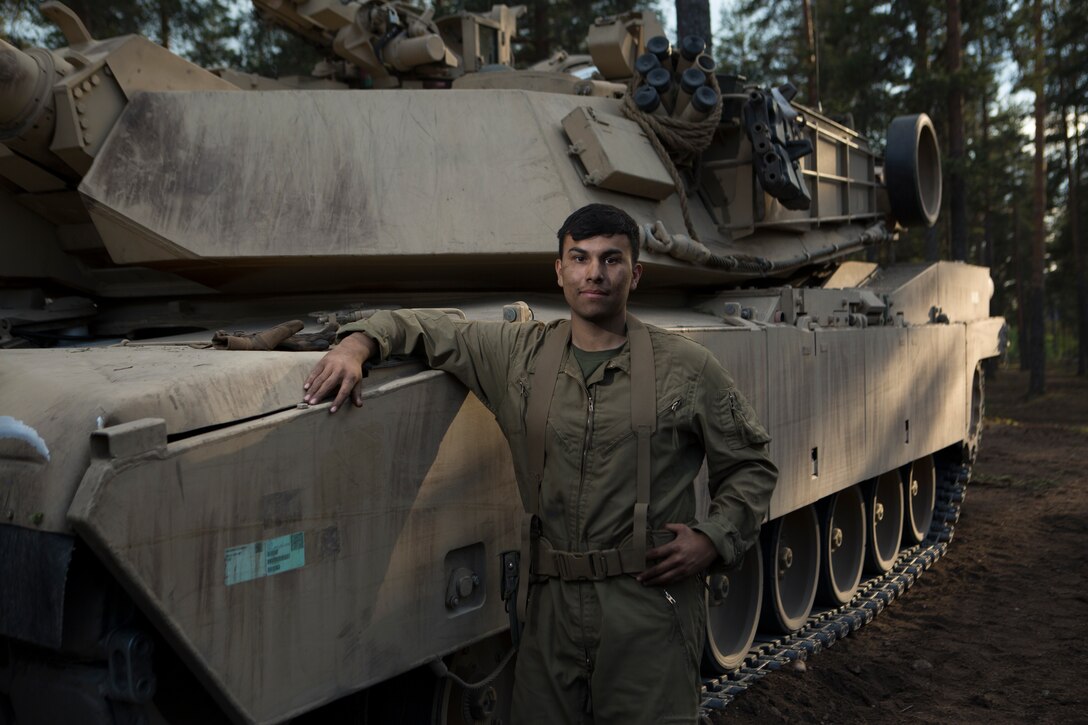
[(268, 50), (760, 40), (203, 31), (211, 33), (22, 24)]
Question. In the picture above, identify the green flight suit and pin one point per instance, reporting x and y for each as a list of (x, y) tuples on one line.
[(609, 651)]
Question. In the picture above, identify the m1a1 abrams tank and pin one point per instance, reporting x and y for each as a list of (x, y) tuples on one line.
[(181, 539)]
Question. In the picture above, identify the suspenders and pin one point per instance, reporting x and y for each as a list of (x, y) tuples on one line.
[(537, 557), (643, 423), (536, 423)]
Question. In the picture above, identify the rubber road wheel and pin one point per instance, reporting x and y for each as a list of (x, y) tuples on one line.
[(733, 601), (842, 538), (791, 567)]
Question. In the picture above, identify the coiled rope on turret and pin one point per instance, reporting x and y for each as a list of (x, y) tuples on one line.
[(677, 142)]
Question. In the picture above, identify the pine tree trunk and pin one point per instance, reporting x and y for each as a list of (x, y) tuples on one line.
[(957, 184), (1021, 291), (921, 22), (1079, 267), (1037, 314), (933, 244), (541, 36), (1074, 223), (991, 365), (693, 18), (812, 97), (164, 25), (986, 252)]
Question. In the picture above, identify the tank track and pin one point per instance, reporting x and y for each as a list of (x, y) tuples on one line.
[(825, 627)]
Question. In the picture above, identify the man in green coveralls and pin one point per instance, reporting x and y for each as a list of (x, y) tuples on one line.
[(614, 624)]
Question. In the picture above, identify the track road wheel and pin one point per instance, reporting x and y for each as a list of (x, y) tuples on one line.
[(733, 600), (791, 567), (842, 542), (920, 494), (884, 507)]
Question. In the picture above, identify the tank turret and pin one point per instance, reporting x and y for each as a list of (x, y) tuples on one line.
[(204, 205)]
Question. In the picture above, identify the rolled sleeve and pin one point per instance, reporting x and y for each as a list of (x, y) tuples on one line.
[(476, 353)]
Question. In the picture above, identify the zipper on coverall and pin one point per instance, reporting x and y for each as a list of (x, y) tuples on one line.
[(587, 440)]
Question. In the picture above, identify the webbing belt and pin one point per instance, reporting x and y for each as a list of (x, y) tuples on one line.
[(586, 565), (599, 564)]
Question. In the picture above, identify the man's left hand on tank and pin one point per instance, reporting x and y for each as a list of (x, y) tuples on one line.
[(690, 553)]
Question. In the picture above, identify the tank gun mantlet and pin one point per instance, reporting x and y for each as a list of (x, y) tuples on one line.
[(60, 105)]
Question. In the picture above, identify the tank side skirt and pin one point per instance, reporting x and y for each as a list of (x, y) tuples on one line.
[(845, 405)]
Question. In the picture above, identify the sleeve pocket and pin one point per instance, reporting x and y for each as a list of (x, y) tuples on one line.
[(744, 428)]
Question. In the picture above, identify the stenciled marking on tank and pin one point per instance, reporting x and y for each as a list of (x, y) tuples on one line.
[(12, 429), (265, 558)]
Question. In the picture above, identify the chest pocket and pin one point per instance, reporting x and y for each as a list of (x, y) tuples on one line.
[(743, 428), (670, 419)]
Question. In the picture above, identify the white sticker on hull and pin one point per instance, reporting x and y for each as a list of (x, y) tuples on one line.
[(265, 558)]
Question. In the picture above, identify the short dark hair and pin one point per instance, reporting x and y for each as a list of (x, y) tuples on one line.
[(600, 220)]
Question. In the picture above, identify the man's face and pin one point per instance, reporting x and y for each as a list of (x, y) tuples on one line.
[(596, 275)]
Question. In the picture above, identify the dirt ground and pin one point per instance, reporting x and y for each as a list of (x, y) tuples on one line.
[(996, 631)]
